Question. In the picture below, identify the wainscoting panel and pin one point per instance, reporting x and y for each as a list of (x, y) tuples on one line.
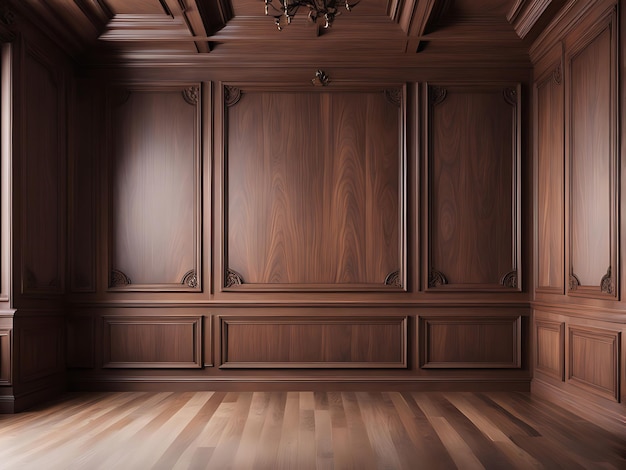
[(5, 357), (312, 342), (132, 342), (471, 342), (81, 337), (594, 360), (41, 347), (473, 145), (550, 348)]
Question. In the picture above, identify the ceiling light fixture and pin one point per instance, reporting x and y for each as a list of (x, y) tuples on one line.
[(321, 12)]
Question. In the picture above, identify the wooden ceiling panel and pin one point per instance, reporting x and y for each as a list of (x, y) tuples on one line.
[(364, 7), (137, 7)]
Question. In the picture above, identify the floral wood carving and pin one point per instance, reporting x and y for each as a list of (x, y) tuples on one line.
[(510, 96), (233, 279), (436, 278), (191, 95), (118, 278), (509, 279), (232, 95), (573, 282), (320, 79), (7, 17), (393, 279), (29, 279), (557, 74), (394, 96), (190, 279), (606, 284), (437, 94)]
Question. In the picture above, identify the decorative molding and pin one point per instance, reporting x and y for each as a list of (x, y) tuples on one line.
[(437, 94), (190, 279), (436, 279), (510, 96), (233, 279), (394, 96), (118, 278), (191, 95), (573, 282), (121, 96), (557, 74), (606, 284), (393, 279), (232, 95), (509, 279), (29, 279), (320, 79)]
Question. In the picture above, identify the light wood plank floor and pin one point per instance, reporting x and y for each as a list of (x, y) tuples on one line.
[(305, 430)]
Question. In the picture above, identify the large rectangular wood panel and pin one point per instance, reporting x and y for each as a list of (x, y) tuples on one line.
[(314, 186), (471, 342), (591, 91), (132, 342), (473, 145), (313, 342), (550, 348), (594, 360), (155, 200)]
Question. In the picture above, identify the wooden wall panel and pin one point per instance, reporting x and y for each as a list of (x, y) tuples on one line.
[(131, 342), (5, 357), (80, 334), (473, 187), (314, 189), (154, 180), (549, 131), (594, 360), (41, 348), (42, 175), (313, 342), (550, 348), (471, 342), (592, 99)]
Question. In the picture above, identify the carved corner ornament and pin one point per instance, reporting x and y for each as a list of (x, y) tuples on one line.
[(509, 280), (118, 278), (437, 94), (436, 279), (320, 78), (510, 96), (233, 279), (394, 96), (191, 95), (393, 279), (190, 279), (606, 284), (232, 95), (573, 282), (557, 74)]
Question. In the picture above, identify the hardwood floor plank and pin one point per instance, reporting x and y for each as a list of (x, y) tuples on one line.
[(361, 448), (289, 443)]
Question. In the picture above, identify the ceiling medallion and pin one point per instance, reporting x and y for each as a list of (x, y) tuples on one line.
[(321, 12)]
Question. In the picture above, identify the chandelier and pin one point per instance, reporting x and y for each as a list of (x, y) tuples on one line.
[(321, 12)]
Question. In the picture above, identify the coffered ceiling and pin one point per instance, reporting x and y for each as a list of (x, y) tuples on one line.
[(196, 30)]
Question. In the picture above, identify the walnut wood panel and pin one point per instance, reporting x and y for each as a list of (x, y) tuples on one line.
[(41, 349), (312, 342), (592, 130), (473, 187), (594, 360), (314, 189), (42, 175), (154, 181), (132, 342), (80, 341), (550, 348), (471, 342), (5, 357), (549, 131)]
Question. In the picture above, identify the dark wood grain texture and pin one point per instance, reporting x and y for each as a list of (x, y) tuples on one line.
[(550, 348)]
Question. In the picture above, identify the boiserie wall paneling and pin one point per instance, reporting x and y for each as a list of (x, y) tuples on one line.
[(42, 164), (473, 157), (314, 342), (5, 356), (314, 190), (591, 144), (550, 348), (594, 360), (131, 342), (476, 342), (154, 180)]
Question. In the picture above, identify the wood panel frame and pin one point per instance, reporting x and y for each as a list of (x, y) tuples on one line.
[(193, 93), (5, 356), (426, 322), (194, 341), (225, 321), (608, 285), (229, 281), (557, 328), (433, 279)]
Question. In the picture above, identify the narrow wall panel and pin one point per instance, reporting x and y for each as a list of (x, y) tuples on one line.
[(471, 342), (81, 340), (132, 342), (296, 342), (41, 347), (550, 348), (5, 357)]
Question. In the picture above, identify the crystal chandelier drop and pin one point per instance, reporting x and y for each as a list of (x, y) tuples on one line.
[(321, 12)]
